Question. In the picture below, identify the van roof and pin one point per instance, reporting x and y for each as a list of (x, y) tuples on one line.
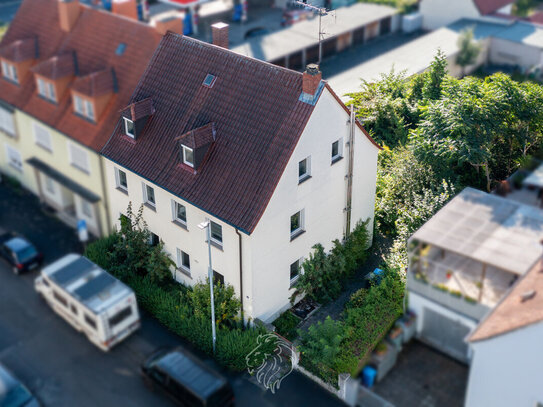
[(191, 373), (85, 281)]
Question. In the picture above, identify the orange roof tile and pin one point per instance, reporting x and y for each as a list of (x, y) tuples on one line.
[(95, 39)]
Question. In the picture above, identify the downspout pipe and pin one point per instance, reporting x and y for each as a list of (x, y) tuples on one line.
[(240, 275)]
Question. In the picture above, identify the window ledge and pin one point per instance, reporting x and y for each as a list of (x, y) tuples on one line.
[(80, 169), (304, 179), (8, 134), (180, 224), (296, 233), (294, 281), (184, 271), (121, 189), (216, 245), (52, 101), (45, 148), (150, 206), (336, 159), (19, 169), (13, 82)]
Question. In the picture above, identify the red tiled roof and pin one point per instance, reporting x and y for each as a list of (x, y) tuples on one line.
[(96, 83), (20, 50), (515, 312), (57, 66), (258, 118), (490, 6), (95, 39), (199, 137), (139, 109)]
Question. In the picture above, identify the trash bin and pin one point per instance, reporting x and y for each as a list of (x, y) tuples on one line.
[(368, 376)]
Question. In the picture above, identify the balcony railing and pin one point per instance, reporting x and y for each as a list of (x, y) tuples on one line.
[(454, 301)]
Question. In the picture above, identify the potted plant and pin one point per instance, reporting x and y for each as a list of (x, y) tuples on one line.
[(449, 274), (381, 348), (456, 293), (469, 299), (395, 335)]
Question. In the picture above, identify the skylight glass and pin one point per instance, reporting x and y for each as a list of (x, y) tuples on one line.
[(209, 80), (120, 48)]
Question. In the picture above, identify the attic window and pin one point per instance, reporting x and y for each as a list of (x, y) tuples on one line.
[(129, 127), (9, 72), (120, 49), (209, 80), (188, 156)]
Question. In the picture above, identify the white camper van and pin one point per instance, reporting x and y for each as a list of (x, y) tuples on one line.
[(90, 299)]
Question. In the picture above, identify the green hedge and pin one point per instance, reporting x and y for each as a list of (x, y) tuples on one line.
[(285, 325), (169, 303)]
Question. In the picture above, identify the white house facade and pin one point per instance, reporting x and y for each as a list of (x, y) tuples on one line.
[(259, 251)]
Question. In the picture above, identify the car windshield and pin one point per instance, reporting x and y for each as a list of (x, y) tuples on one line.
[(26, 253), (16, 396)]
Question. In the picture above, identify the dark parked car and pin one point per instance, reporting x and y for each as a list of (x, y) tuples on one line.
[(187, 380), (13, 393), (19, 252)]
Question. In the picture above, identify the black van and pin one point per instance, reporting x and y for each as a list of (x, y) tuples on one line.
[(186, 379)]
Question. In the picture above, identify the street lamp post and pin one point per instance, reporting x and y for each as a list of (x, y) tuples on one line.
[(207, 225)]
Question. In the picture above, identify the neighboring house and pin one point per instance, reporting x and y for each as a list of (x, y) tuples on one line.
[(462, 262), (67, 70), (438, 13), (507, 358), (261, 151)]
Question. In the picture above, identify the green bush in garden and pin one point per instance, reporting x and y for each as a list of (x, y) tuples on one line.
[(181, 309), (285, 325)]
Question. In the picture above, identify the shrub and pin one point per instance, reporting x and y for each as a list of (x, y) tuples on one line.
[(357, 298), (321, 343), (227, 306), (285, 325)]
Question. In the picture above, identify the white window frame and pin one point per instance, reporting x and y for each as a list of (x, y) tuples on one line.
[(50, 185), (296, 232), (213, 240), (9, 72), (126, 120), (17, 163), (307, 174), (118, 172), (339, 154), (85, 166), (46, 89), (293, 280), (87, 205), (180, 264), (7, 122), (45, 133), (84, 107), (146, 196), (185, 161), (175, 218)]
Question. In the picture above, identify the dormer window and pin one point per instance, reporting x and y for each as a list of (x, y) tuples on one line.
[(9, 72), (84, 107), (188, 156), (47, 90), (129, 128)]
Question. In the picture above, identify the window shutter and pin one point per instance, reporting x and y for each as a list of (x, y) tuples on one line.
[(79, 157)]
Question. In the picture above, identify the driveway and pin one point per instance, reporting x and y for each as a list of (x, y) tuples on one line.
[(64, 369)]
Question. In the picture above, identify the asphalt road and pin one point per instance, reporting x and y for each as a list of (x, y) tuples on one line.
[(62, 368)]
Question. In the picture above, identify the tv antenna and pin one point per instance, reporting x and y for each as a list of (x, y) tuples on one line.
[(322, 12)]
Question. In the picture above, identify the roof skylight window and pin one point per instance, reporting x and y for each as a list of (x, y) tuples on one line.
[(209, 80), (120, 49)]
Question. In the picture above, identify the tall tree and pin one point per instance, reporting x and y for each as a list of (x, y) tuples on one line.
[(468, 50), (436, 74)]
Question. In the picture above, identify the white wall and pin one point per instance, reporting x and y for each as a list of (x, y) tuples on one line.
[(323, 198), (268, 251), (505, 52), (438, 13), (418, 303), (507, 370)]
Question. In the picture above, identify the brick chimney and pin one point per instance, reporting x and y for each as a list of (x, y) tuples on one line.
[(68, 13), (126, 8), (220, 34), (168, 22), (311, 79)]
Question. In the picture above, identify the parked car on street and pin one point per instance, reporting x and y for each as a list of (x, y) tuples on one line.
[(187, 380), (90, 299), (13, 393), (20, 253)]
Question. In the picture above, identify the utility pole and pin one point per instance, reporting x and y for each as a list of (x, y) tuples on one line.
[(207, 225), (322, 12)]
